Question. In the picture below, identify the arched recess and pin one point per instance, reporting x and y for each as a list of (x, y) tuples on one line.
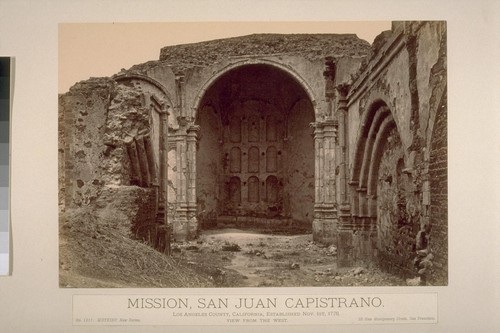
[(234, 190), (253, 189), (147, 79), (265, 113), (253, 159), (272, 190), (383, 189), (235, 160), (271, 159), (217, 75), (375, 127), (387, 125), (365, 126)]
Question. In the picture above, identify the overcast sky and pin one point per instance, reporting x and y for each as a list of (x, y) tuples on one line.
[(103, 49)]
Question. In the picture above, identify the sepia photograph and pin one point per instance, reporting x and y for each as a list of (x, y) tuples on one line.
[(219, 166), (253, 154)]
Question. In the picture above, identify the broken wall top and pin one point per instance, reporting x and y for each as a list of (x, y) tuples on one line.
[(310, 46)]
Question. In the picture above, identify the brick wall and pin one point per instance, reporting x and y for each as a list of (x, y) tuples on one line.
[(438, 172), (397, 221)]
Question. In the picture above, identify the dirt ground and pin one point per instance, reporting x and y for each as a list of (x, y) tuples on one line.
[(95, 254), (242, 258)]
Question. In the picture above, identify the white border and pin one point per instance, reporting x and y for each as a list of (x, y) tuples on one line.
[(30, 299)]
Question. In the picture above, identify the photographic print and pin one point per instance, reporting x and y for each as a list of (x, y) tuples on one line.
[(287, 157)]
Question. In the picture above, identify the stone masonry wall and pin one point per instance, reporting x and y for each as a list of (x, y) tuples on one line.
[(407, 72), (209, 166), (97, 117), (185, 70), (308, 46), (84, 109), (397, 220), (299, 185), (127, 117)]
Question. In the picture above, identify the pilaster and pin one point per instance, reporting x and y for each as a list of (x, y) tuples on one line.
[(325, 206), (342, 154), (356, 231), (345, 226), (160, 182), (185, 224)]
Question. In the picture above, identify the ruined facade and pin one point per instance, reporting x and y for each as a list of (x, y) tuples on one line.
[(318, 132)]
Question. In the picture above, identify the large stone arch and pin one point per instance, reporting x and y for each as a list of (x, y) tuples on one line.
[(255, 122), (146, 79), (363, 133), (374, 128), (219, 73)]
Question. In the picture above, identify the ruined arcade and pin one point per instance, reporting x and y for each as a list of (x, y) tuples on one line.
[(322, 134)]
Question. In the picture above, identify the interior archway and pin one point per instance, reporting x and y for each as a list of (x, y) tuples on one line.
[(254, 127)]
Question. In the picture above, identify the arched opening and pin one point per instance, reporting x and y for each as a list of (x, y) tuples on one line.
[(254, 126), (373, 135), (383, 189)]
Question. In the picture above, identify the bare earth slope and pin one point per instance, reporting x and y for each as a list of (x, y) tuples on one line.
[(94, 254)]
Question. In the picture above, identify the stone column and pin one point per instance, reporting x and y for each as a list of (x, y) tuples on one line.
[(192, 140), (162, 204), (345, 226), (356, 231), (325, 207), (160, 177), (180, 227), (162, 239)]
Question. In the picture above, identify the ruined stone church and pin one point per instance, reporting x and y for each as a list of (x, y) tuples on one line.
[(320, 133)]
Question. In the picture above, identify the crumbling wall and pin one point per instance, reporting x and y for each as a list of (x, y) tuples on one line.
[(127, 118), (128, 208), (438, 177), (61, 139), (84, 109), (397, 216), (407, 72), (308, 46), (99, 117)]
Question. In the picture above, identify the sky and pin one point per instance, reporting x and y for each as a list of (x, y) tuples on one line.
[(103, 49)]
